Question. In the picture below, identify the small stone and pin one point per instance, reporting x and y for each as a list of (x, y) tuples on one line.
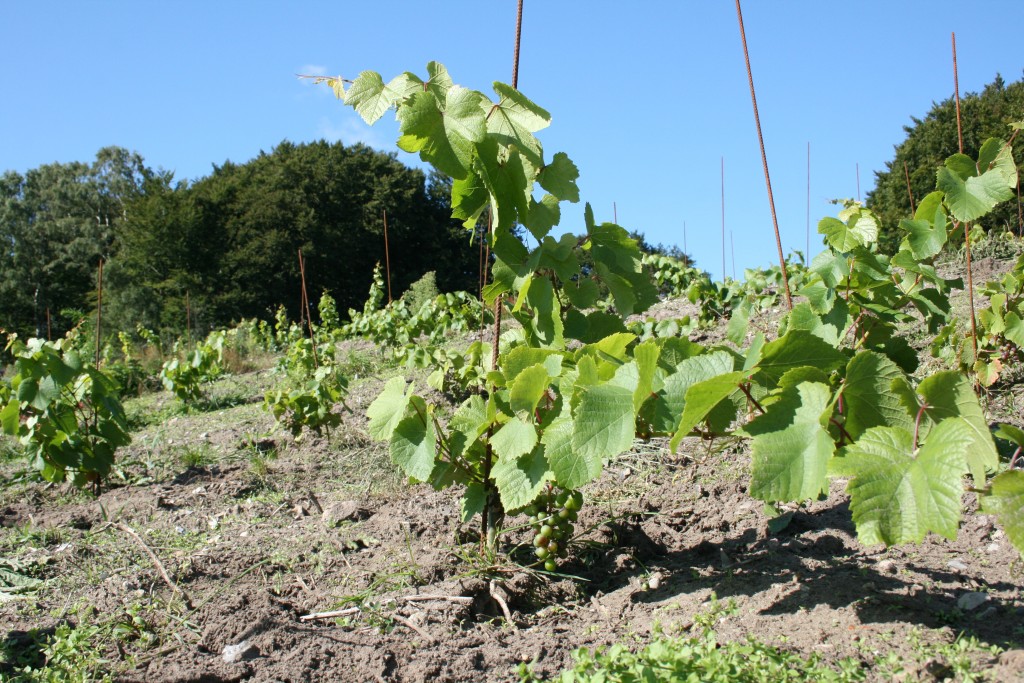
[(336, 513), (213, 523), (887, 567), (993, 547), (972, 601), (655, 581), (240, 652), (179, 529), (957, 565), (198, 491)]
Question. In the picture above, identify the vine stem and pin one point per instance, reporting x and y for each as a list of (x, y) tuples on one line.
[(745, 388), (917, 423), (764, 161)]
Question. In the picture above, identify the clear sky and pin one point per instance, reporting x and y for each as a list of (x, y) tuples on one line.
[(647, 97)]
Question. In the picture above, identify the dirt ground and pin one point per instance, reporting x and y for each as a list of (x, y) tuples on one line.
[(229, 540)]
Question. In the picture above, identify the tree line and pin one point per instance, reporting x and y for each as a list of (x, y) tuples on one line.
[(220, 248), (932, 139)]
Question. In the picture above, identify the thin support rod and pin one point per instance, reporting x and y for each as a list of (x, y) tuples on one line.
[(807, 248), (387, 255), (99, 311), (764, 160), (967, 226), (723, 220), (515, 54)]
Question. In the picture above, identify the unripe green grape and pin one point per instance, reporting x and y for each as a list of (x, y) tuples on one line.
[(550, 565), (546, 531), (540, 541), (552, 547), (561, 498), (563, 513), (542, 553)]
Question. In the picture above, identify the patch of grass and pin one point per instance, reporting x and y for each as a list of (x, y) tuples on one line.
[(197, 456), (65, 653), (700, 658)]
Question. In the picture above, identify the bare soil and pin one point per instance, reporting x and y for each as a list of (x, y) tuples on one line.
[(253, 544)]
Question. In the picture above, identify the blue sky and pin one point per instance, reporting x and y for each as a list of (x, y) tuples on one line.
[(647, 98)]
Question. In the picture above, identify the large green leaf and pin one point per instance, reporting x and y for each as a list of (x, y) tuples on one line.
[(9, 417), (515, 438), (897, 495), (559, 178), (520, 480), (868, 400), (514, 120), (701, 399), (791, 463), (796, 348), (1006, 501), (371, 98), (969, 197), (528, 388), (665, 409), (572, 468), (444, 139), (413, 447), (859, 229), (950, 394), (604, 423), (388, 409)]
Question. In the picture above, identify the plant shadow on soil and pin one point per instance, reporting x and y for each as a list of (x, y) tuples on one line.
[(814, 561)]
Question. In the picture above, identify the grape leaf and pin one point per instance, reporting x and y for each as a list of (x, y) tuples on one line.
[(559, 178), (796, 348), (515, 438), (444, 139), (388, 409), (572, 468), (1007, 502), (604, 424), (860, 230), (867, 398), (9, 417), (950, 394), (897, 496), (514, 120), (701, 399), (413, 445), (791, 464), (520, 480), (370, 97), (971, 197), (473, 500), (528, 388)]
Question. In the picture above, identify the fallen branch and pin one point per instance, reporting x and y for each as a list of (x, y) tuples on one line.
[(405, 622), (156, 561), (504, 606), (462, 600), (316, 616)]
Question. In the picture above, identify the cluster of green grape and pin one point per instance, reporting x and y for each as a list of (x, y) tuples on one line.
[(552, 517)]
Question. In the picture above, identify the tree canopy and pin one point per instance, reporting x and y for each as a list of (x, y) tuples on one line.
[(224, 246), (934, 138)]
